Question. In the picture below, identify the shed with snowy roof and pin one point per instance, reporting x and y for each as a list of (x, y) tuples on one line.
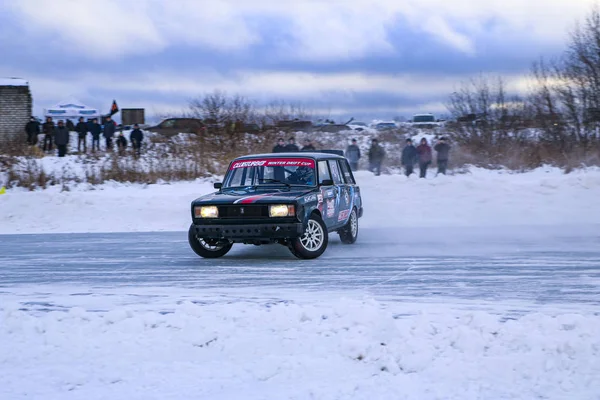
[(15, 107)]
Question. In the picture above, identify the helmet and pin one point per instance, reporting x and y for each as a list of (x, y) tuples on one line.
[(304, 175)]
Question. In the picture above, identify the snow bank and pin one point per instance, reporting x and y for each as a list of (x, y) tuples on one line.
[(479, 198), (338, 350)]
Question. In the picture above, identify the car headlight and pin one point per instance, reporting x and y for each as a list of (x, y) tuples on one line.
[(282, 210), (206, 212)]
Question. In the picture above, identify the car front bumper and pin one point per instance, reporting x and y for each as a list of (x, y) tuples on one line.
[(254, 231)]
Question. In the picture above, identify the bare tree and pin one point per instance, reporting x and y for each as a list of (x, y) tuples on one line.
[(486, 114)]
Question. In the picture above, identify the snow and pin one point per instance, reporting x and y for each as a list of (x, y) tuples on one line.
[(543, 197), (141, 341), (13, 82), (340, 349)]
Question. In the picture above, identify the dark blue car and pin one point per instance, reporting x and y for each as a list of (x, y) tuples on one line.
[(294, 199)]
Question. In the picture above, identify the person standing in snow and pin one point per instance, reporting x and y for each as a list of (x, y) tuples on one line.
[(70, 126), (376, 156), (425, 157), (61, 138), (109, 132), (409, 157), (280, 146), (308, 146), (32, 129), (48, 130), (353, 155), (443, 149), (136, 136), (95, 130), (82, 130), (292, 147), (121, 143)]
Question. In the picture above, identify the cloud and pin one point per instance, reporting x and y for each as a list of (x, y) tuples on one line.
[(304, 29)]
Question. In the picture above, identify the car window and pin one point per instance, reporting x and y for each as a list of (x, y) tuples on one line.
[(323, 171), (335, 172), (170, 123), (346, 172)]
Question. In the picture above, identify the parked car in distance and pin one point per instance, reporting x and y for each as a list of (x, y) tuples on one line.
[(427, 121), (333, 128), (292, 199), (251, 128), (386, 126), (174, 126)]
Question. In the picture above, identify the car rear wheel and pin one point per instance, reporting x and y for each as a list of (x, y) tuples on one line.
[(314, 240), (349, 233), (208, 248)]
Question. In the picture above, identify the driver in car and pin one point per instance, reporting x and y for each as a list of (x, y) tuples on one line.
[(302, 176)]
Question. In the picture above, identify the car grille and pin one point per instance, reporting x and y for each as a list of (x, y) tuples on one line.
[(254, 211)]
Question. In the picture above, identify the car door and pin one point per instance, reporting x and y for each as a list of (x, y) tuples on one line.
[(167, 127), (341, 203), (350, 193), (328, 194)]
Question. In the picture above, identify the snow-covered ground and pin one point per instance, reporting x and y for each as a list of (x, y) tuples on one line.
[(336, 349), (481, 197), (138, 341)]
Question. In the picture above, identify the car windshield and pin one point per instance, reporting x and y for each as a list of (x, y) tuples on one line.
[(423, 118), (267, 172)]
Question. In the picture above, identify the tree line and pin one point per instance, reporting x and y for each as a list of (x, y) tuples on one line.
[(560, 110)]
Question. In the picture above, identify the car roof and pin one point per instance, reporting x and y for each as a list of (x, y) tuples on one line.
[(304, 154)]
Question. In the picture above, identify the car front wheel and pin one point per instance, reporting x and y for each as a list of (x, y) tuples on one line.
[(208, 248), (314, 240), (349, 233)]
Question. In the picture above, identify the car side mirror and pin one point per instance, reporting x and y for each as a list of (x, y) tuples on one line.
[(218, 185), (327, 182)]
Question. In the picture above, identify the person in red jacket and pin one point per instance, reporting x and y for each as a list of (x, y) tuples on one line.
[(424, 151)]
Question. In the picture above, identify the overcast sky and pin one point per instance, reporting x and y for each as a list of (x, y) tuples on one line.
[(353, 57)]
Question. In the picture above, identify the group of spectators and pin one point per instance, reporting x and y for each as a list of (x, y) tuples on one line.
[(421, 155), (291, 146), (59, 135)]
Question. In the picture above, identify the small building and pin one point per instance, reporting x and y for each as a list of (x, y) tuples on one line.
[(15, 107)]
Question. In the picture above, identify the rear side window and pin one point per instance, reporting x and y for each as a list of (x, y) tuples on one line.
[(335, 172), (346, 172), (323, 171)]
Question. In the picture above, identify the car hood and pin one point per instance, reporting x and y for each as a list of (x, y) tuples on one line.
[(251, 196)]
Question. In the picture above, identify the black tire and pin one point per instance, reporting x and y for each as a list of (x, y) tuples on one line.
[(208, 248), (348, 234), (314, 240)]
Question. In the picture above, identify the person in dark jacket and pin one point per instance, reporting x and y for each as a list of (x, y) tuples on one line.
[(61, 138), (376, 156), (280, 146), (48, 130), (292, 147), (70, 125), (353, 155), (424, 151), (308, 146), (409, 157), (109, 132), (82, 129), (136, 137), (443, 149), (95, 130), (33, 130), (121, 143)]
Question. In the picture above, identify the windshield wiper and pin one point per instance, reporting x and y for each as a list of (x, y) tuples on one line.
[(269, 180)]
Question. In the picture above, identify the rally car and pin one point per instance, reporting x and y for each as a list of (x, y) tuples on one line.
[(294, 199)]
